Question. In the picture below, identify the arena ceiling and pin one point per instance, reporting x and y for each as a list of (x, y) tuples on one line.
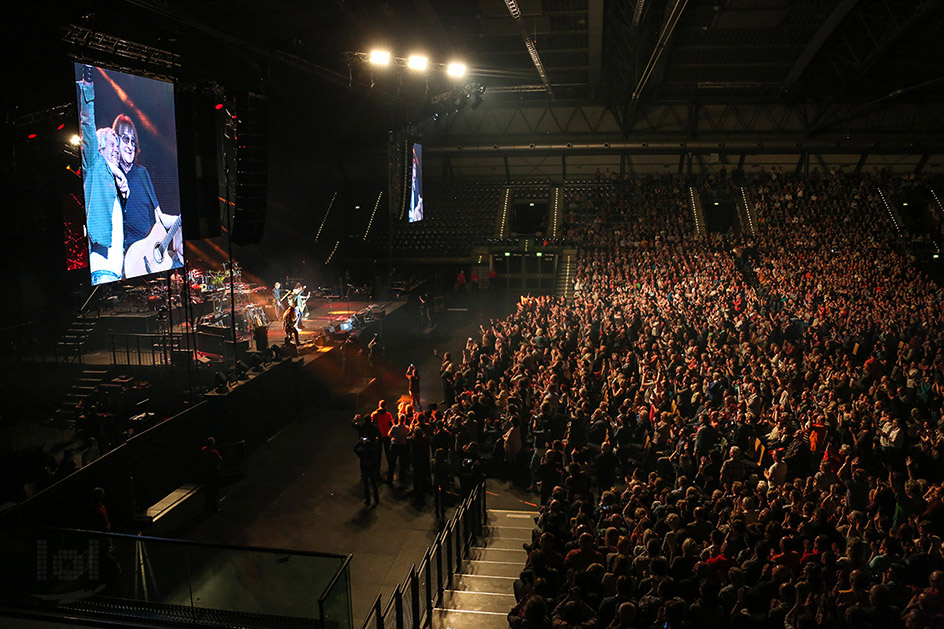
[(709, 69)]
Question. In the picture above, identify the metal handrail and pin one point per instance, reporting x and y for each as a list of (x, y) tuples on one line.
[(455, 538), (187, 542)]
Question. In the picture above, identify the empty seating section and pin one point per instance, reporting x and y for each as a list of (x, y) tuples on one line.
[(459, 215)]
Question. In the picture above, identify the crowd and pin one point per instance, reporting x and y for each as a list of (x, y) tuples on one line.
[(723, 431)]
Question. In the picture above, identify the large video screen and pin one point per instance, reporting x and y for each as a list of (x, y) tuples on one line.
[(416, 185), (129, 174)]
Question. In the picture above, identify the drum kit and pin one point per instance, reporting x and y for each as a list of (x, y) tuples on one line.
[(224, 289)]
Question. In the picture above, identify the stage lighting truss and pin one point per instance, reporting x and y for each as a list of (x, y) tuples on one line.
[(416, 63), (141, 53)]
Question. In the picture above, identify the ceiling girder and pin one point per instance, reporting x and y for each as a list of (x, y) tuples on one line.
[(849, 67)]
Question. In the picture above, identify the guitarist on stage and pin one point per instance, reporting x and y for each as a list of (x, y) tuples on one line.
[(289, 319), (142, 210), (300, 299)]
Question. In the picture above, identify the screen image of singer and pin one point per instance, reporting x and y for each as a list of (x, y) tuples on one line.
[(416, 184), (129, 174)]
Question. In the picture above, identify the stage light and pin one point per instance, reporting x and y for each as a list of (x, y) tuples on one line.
[(75, 140), (379, 57), (218, 106), (539, 254), (416, 62), (63, 126), (455, 69), (507, 254), (31, 136)]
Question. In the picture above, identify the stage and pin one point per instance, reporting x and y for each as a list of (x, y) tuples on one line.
[(136, 338)]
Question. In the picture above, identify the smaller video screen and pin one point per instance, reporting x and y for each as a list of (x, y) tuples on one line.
[(416, 184)]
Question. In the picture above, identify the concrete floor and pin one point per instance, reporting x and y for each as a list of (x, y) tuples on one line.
[(302, 491)]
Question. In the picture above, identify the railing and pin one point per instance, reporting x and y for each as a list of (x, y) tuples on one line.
[(411, 606), (133, 577), (144, 349)]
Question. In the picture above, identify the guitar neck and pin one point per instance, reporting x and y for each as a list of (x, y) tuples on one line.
[(171, 232)]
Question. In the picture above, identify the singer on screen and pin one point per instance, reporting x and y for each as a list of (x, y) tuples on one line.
[(106, 188), (416, 198), (153, 241)]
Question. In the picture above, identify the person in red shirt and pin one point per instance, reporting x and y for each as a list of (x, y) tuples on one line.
[(97, 513), (212, 463), (723, 561), (587, 554), (383, 420)]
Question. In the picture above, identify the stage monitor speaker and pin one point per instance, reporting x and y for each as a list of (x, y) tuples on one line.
[(289, 351), (246, 167), (261, 336)]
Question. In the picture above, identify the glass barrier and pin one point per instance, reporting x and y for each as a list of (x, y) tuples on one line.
[(336, 603), (82, 570)]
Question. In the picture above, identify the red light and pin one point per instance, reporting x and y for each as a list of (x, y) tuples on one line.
[(31, 136), (61, 127), (219, 106)]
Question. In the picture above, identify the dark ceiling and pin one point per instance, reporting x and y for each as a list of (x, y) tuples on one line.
[(627, 55)]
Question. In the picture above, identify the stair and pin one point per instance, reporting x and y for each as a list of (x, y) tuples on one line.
[(72, 343), (697, 212), (746, 214), (566, 273), (504, 206), (482, 271), (557, 206), (482, 591), (892, 212), (82, 389)]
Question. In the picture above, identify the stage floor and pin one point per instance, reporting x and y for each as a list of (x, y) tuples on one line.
[(322, 313)]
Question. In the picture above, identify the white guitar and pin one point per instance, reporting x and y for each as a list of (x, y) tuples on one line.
[(154, 252)]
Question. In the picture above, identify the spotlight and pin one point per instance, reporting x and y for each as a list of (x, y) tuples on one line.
[(455, 69), (61, 127), (75, 140), (416, 62), (31, 136), (242, 370), (222, 382), (379, 57), (218, 106)]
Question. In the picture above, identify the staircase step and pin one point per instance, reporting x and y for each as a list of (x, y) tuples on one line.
[(452, 619), (518, 535), (464, 600), (499, 554), (511, 519), (509, 543), (480, 583), (492, 568)]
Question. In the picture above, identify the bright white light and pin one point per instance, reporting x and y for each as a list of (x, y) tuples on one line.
[(75, 140), (380, 57), (416, 62), (455, 69)]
